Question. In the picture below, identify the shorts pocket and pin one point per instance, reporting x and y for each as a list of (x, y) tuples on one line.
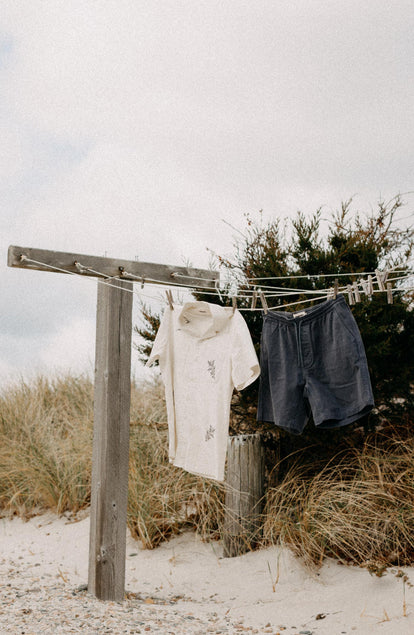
[(348, 323)]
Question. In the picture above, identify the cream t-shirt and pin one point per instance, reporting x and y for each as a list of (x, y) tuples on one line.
[(204, 351)]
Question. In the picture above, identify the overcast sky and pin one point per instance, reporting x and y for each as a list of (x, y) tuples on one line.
[(132, 128)]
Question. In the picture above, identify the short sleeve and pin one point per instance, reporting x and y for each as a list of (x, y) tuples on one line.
[(245, 366), (159, 349)]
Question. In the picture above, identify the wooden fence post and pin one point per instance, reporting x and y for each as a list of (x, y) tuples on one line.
[(244, 493), (107, 543)]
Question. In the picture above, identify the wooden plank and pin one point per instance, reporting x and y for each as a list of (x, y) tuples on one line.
[(244, 493), (232, 511), (109, 267), (107, 544)]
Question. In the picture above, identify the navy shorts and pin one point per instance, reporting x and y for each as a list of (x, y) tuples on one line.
[(313, 360)]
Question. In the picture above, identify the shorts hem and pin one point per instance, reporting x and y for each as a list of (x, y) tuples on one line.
[(330, 422), (286, 427)]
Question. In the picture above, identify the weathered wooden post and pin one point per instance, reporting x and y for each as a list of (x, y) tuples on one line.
[(244, 493), (109, 495), (107, 541)]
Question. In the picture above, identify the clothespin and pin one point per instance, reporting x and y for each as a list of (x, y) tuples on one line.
[(335, 288), (169, 299), (216, 284), (350, 294), (234, 303), (381, 278), (80, 267), (264, 303), (370, 286), (356, 292), (389, 293), (254, 299), (364, 285), (142, 282)]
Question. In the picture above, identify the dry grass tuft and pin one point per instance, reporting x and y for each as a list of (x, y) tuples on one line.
[(162, 499), (359, 509), (46, 429), (45, 435)]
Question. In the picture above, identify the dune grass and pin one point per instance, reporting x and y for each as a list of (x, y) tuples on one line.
[(46, 430), (45, 441), (357, 508)]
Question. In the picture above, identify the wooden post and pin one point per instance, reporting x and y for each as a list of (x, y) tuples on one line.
[(107, 544), (244, 493)]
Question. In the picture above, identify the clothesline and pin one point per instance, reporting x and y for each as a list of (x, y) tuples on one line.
[(124, 274), (246, 293), (308, 276), (286, 291)]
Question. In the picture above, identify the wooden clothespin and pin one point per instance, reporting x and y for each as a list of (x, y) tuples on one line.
[(350, 294), (356, 292), (381, 278), (335, 288), (234, 303), (254, 299), (77, 264), (169, 299), (216, 286), (263, 301), (389, 293), (370, 290)]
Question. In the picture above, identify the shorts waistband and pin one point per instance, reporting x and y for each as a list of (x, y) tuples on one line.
[(304, 315)]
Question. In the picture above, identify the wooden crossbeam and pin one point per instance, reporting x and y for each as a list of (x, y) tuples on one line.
[(102, 267)]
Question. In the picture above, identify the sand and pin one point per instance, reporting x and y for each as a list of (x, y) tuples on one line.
[(185, 586)]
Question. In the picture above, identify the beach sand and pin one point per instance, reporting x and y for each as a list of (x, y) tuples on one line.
[(185, 586)]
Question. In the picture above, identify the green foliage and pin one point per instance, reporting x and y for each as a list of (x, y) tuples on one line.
[(147, 332), (314, 247)]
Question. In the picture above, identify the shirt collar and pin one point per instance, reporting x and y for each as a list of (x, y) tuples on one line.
[(203, 320)]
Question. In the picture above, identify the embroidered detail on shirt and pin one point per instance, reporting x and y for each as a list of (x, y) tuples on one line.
[(210, 433), (212, 368)]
